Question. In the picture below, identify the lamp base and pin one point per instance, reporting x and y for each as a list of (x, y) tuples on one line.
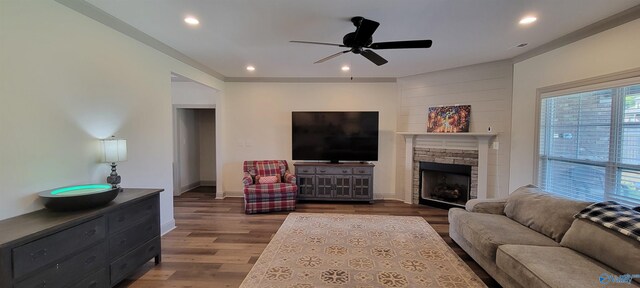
[(114, 179)]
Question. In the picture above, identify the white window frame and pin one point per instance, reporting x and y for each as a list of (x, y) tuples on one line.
[(626, 78)]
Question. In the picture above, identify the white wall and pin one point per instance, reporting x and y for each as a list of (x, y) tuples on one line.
[(66, 81), (193, 94), (261, 117), (207, 135), (486, 87), (611, 51), (189, 146)]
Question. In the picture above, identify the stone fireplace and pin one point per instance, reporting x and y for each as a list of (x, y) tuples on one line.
[(448, 176), (463, 151)]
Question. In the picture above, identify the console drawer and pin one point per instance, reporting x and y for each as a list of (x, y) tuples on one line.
[(62, 273), (334, 170), (305, 170), (41, 252), (363, 170), (98, 279), (130, 215), (126, 240), (122, 267)]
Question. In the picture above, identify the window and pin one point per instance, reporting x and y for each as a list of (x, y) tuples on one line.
[(589, 144)]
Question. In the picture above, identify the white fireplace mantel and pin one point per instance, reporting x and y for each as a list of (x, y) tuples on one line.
[(470, 141)]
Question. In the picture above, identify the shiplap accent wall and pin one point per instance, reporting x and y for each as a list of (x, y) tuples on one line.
[(486, 87)]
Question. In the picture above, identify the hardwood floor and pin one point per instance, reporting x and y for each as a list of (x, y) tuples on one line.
[(215, 244)]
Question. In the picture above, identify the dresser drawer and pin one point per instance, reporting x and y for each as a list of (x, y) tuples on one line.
[(305, 170), (128, 239), (63, 273), (39, 253), (122, 267), (130, 215), (363, 170), (98, 279), (334, 170)]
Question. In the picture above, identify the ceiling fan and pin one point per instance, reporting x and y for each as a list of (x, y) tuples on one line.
[(360, 42)]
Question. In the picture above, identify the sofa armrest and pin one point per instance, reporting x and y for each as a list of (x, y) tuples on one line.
[(247, 179), (488, 206), (289, 177)]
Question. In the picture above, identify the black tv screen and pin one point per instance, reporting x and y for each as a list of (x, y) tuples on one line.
[(335, 136)]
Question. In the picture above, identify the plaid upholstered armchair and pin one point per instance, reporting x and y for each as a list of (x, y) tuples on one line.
[(268, 186)]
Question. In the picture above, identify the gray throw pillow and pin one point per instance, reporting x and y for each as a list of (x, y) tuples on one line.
[(605, 245), (542, 212)]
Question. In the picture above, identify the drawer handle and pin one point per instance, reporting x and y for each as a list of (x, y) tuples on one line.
[(344, 171), (361, 171), (322, 171), (44, 284), (90, 232), (93, 284), (122, 242), (120, 218), (305, 170), (90, 260), (41, 253)]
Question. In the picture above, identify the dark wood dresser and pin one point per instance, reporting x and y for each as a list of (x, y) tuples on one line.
[(89, 248)]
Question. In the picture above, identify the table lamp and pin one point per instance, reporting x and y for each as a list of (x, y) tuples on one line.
[(113, 151)]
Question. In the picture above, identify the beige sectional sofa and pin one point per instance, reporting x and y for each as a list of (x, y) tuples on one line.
[(531, 239)]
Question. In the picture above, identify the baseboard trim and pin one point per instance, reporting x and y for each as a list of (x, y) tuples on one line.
[(208, 183), (167, 227), (189, 187), (233, 194)]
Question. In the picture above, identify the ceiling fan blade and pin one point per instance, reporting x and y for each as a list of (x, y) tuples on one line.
[(331, 57), (402, 44), (364, 30), (319, 43), (374, 57)]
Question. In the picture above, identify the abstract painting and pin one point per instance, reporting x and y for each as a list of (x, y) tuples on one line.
[(449, 119)]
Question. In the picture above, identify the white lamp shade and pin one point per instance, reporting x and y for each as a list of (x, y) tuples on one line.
[(114, 150)]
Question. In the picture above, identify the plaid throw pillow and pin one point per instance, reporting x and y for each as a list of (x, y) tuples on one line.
[(613, 216)]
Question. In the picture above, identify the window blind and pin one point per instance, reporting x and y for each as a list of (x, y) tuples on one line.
[(589, 145)]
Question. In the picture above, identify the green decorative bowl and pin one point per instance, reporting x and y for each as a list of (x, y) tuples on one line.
[(78, 197)]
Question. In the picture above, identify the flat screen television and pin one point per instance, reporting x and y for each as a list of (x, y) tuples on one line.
[(335, 136)]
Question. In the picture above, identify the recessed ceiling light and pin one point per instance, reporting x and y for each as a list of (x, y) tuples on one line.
[(528, 20), (251, 68), (191, 20), (345, 68)]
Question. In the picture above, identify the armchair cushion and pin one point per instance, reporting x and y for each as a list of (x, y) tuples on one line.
[(289, 177), (267, 179), (247, 179)]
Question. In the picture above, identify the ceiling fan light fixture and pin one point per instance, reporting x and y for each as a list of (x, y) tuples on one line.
[(528, 20), (251, 68), (345, 68), (191, 20)]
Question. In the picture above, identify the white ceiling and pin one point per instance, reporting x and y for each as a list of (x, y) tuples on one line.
[(235, 33)]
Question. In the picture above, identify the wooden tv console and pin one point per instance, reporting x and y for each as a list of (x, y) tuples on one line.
[(336, 182)]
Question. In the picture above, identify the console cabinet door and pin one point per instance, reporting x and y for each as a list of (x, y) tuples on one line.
[(324, 186), (343, 186), (362, 187), (306, 186)]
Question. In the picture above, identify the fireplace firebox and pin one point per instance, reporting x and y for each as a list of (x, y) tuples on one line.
[(444, 185)]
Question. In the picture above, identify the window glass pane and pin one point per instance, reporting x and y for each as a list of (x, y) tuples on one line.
[(572, 180), (629, 185), (630, 141)]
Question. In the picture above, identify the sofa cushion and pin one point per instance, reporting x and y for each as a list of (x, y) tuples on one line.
[(607, 246), (485, 232), (540, 211), (537, 266)]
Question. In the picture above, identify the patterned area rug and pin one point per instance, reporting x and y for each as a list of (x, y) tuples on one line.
[(336, 250)]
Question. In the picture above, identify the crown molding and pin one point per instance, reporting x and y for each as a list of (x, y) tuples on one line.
[(313, 79), (107, 19), (612, 21)]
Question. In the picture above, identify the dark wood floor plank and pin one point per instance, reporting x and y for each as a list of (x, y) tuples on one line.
[(215, 244)]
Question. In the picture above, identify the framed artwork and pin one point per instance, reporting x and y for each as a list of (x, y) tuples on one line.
[(449, 119)]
